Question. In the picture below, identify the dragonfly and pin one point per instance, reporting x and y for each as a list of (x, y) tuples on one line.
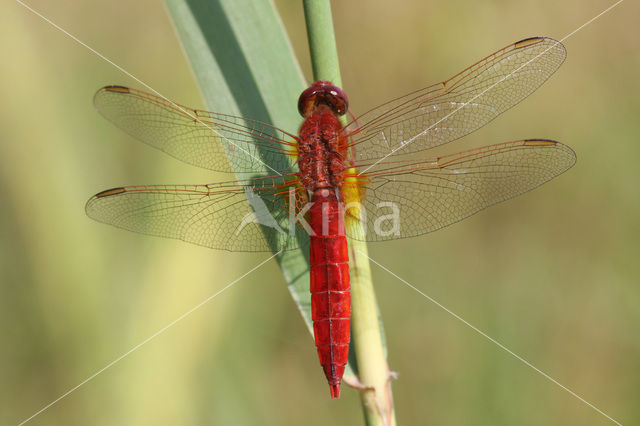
[(369, 180)]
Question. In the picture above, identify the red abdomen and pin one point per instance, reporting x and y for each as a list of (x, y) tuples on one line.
[(330, 297)]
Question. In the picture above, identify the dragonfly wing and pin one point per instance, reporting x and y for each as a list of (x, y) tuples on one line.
[(213, 141), (460, 105), (413, 199), (215, 215)]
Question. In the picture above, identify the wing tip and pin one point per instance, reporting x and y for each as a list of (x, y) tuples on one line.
[(103, 194), (110, 89), (551, 143)]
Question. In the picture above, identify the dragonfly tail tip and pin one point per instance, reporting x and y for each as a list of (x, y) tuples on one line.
[(335, 390)]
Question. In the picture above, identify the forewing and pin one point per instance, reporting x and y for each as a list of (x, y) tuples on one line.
[(247, 216), (413, 199), (194, 136), (460, 105)]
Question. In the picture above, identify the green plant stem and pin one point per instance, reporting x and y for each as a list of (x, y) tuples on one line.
[(322, 41), (366, 331)]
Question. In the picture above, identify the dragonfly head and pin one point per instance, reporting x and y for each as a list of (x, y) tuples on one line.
[(323, 93)]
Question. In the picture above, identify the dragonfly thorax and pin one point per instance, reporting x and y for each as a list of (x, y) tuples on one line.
[(321, 151)]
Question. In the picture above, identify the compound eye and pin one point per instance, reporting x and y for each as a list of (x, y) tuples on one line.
[(323, 93), (307, 102), (338, 101)]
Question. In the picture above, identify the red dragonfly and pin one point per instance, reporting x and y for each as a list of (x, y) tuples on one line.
[(344, 176)]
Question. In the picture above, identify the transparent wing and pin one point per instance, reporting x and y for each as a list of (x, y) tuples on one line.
[(194, 136), (460, 105), (252, 215), (407, 200)]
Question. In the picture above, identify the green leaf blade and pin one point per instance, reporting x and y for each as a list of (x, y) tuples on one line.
[(245, 66)]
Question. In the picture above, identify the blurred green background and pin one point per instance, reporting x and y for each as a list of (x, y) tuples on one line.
[(553, 275)]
